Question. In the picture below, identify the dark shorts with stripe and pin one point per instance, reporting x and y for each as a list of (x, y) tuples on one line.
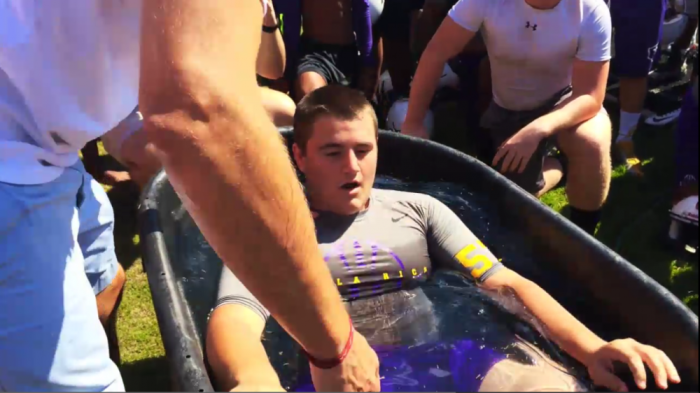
[(337, 64), (502, 124)]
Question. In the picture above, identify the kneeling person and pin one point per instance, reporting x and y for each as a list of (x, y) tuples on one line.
[(380, 243), (550, 64)]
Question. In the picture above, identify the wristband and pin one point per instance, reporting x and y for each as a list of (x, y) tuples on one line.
[(327, 364), (270, 29)]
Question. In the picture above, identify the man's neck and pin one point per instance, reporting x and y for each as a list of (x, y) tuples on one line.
[(543, 4)]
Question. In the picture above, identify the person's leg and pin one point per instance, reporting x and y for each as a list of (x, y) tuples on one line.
[(502, 124), (105, 274), (544, 376), (313, 71), (686, 178), (50, 335), (553, 173), (638, 27), (308, 82), (279, 106), (679, 48), (587, 149)]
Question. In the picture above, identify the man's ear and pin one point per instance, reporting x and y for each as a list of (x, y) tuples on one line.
[(299, 158)]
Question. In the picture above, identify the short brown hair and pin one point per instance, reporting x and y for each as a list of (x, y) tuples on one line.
[(338, 101)]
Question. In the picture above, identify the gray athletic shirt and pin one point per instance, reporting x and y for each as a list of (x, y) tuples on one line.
[(395, 244)]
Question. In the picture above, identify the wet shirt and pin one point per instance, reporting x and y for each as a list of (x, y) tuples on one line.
[(391, 245), (395, 244)]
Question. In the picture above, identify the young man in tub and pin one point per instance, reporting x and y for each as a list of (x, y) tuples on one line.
[(378, 245)]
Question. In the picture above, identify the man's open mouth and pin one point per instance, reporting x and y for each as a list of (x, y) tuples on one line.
[(350, 186)]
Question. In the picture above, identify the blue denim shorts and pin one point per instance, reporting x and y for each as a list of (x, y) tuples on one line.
[(56, 254)]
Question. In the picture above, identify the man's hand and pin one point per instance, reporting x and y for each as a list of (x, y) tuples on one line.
[(415, 129), (369, 81), (270, 18), (635, 355), (359, 372), (517, 151)]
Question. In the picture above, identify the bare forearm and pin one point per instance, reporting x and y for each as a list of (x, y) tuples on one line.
[(228, 164), (570, 334), (570, 113), (272, 56), (234, 349)]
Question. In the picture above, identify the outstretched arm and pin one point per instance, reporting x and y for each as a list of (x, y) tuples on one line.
[(581, 343), (454, 245), (203, 114)]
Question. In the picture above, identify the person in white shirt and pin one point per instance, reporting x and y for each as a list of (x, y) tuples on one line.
[(550, 65), (128, 145), (69, 71)]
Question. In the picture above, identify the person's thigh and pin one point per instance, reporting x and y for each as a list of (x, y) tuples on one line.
[(50, 335), (501, 126), (96, 235), (637, 30), (279, 106), (687, 140)]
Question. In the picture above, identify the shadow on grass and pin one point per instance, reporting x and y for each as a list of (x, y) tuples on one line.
[(147, 375)]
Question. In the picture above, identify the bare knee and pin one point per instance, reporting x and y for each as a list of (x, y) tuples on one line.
[(308, 82), (590, 142), (279, 106)]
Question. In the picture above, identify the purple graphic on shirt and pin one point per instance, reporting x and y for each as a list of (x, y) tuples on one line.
[(359, 255), (367, 266), (375, 250)]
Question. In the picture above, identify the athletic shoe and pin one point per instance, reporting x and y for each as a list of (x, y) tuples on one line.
[(664, 118), (625, 149)]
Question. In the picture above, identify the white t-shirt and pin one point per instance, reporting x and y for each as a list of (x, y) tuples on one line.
[(69, 72), (532, 51)]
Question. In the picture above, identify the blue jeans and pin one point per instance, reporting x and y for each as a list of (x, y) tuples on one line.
[(56, 254)]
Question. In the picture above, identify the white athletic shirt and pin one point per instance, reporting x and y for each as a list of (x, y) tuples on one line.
[(532, 51), (69, 71)]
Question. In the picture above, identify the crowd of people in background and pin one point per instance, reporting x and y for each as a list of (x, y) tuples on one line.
[(163, 83)]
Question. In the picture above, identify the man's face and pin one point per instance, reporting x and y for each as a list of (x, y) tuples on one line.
[(340, 163)]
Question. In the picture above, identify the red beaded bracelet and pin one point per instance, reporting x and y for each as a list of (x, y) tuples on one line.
[(327, 364)]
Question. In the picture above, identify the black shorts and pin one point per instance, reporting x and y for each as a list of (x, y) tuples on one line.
[(395, 22), (337, 64), (502, 124)]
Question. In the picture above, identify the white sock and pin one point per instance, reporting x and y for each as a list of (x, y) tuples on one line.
[(628, 121)]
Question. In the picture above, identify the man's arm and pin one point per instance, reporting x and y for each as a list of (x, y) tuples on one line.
[(455, 32), (272, 55), (203, 113), (454, 245), (235, 352), (580, 342)]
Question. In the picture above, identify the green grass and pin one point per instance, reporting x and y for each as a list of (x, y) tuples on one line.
[(633, 224)]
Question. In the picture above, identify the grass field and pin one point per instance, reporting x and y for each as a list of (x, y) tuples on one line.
[(634, 221)]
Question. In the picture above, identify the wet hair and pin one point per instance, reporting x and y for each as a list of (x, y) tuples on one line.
[(337, 101)]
